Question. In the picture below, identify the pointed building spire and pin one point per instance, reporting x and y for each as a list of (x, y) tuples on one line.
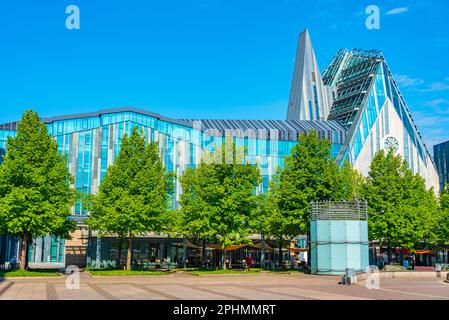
[(309, 98)]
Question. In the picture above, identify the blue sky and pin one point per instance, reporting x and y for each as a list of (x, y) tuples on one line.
[(210, 58)]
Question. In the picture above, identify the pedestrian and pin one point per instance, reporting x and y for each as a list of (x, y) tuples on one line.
[(249, 262)]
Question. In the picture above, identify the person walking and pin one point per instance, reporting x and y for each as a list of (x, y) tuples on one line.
[(249, 262)]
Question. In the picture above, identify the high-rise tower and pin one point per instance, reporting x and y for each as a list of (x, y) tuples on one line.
[(359, 91), (441, 154), (309, 98), (369, 104)]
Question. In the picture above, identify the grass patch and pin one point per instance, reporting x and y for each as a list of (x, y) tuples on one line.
[(184, 269), (287, 271), (222, 272), (29, 273), (254, 271), (206, 272), (118, 273)]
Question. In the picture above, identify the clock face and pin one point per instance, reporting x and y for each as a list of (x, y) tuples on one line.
[(391, 143)]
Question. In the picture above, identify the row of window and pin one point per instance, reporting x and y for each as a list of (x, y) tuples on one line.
[(91, 147)]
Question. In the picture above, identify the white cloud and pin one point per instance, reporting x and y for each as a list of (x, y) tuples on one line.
[(436, 103), (406, 81), (432, 135), (396, 11), (428, 121), (436, 87)]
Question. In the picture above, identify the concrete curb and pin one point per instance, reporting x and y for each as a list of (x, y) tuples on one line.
[(261, 273), (88, 273), (408, 275), (30, 278), (128, 276)]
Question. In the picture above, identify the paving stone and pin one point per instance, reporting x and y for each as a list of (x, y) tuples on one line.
[(269, 287)]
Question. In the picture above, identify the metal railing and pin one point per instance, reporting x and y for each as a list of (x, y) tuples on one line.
[(339, 210)]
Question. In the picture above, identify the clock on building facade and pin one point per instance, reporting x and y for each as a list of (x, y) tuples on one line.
[(391, 142)]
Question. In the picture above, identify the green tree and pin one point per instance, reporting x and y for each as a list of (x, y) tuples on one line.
[(442, 225), (218, 197), (444, 198), (401, 210), (350, 182), (194, 220), (309, 174), (259, 222), (134, 196), (384, 193), (35, 186), (266, 219), (416, 217)]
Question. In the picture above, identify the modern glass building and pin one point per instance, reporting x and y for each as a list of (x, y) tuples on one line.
[(365, 99), (441, 155), (2, 153), (91, 142), (355, 103)]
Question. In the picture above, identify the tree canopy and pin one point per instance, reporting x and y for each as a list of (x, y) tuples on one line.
[(134, 196), (442, 224), (349, 184), (401, 210), (218, 197), (36, 195), (309, 174)]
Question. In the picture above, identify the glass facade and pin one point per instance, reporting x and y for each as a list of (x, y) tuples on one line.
[(9, 250), (151, 253), (2, 154), (364, 83), (356, 104), (441, 156), (375, 102), (47, 249), (92, 142), (43, 250), (4, 134)]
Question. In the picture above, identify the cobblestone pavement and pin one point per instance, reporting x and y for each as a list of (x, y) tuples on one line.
[(229, 287)]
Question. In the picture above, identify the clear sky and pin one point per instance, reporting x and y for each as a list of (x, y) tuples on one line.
[(210, 58)]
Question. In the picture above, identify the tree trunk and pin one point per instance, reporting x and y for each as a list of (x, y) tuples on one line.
[(119, 259), (167, 253), (203, 254), (389, 254), (130, 252), (280, 254), (309, 251), (262, 252), (184, 258), (98, 253), (23, 254), (223, 262)]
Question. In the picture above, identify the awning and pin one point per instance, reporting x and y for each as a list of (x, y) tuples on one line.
[(424, 252), (259, 246), (298, 250), (228, 248), (192, 245)]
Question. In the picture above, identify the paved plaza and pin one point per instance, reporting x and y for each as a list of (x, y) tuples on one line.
[(229, 287)]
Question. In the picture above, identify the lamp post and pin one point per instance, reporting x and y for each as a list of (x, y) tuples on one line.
[(98, 254), (262, 252)]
